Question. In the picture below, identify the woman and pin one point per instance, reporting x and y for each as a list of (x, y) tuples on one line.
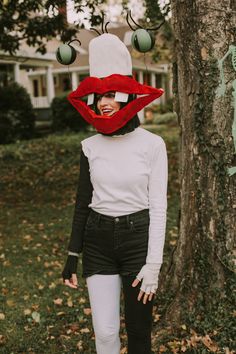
[(119, 218)]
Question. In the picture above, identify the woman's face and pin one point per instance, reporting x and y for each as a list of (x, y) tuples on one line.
[(107, 105)]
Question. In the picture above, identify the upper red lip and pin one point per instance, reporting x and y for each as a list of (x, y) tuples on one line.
[(115, 83)]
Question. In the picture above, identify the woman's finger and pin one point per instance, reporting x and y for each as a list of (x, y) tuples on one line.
[(150, 296), (135, 282), (145, 298), (140, 295), (74, 279), (71, 285)]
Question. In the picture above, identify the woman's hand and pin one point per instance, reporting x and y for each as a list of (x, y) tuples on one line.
[(69, 272), (147, 296), (72, 282), (149, 275)]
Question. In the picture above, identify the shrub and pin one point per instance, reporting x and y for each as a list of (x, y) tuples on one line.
[(64, 115), (164, 108), (17, 118), (167, 118)]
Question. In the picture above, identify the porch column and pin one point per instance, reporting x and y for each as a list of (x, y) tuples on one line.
[(153, 79), (140, 113), (17, 73), (140, 77), (153, 84), (74, 80), (163, 85), (50, 84)]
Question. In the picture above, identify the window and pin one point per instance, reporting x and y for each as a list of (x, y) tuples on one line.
[(35, 88), (147, 78), (158, 80)]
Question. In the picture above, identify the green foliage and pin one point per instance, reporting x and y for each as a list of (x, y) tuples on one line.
[(166, 118), (164, 108), (17, 23), (17, 118), (65, 116), (154, 15)]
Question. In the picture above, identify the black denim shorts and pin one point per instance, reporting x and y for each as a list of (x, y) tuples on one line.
[(115, 245)]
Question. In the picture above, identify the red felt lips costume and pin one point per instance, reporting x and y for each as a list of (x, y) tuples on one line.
[(105, 77), (115, 82)]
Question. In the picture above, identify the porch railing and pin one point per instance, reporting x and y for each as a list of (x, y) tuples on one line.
[(40, 102)]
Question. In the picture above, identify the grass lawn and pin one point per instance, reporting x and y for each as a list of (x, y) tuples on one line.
[(38, 314)]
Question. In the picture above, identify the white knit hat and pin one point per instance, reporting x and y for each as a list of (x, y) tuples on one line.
[(108, 55)]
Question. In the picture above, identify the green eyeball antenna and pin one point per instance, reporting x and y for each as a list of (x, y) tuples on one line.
[(66, 54), (142, 39)]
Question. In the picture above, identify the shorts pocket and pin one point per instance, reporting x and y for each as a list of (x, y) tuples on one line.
[(140, 226), (92, 222)]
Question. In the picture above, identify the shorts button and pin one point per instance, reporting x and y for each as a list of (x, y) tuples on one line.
[(117, 219)]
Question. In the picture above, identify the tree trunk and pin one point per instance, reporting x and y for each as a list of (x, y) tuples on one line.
[(202, 264)]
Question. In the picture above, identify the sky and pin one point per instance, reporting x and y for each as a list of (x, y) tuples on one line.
[(113, 11)]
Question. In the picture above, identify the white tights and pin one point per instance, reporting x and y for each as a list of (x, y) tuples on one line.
[(104, 296)]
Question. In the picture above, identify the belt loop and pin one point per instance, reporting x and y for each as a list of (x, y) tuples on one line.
[(127, 220)]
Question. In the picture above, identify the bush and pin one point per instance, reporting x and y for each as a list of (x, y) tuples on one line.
[(17, 118), (64, 115), (164, 108), (167, 118)]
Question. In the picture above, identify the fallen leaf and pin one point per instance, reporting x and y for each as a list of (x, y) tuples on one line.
[(35, 307), (58, 301), (36, 316), (162, 349), (79, 345), (157, 317), (28, 238), (52, 286), (7, 263), (10, 303), (87, 311), (85, 330), (2, 316), (209, 343), (2, 339), (74, 327), (82, 300), (172, 242), (27, 312)]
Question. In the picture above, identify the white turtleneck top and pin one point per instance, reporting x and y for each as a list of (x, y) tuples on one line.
[(130, 173)]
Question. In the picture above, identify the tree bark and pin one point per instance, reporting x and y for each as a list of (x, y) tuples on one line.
[(202, 263)]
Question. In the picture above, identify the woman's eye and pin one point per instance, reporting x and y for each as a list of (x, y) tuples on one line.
[(106, 95), (110, 95)]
